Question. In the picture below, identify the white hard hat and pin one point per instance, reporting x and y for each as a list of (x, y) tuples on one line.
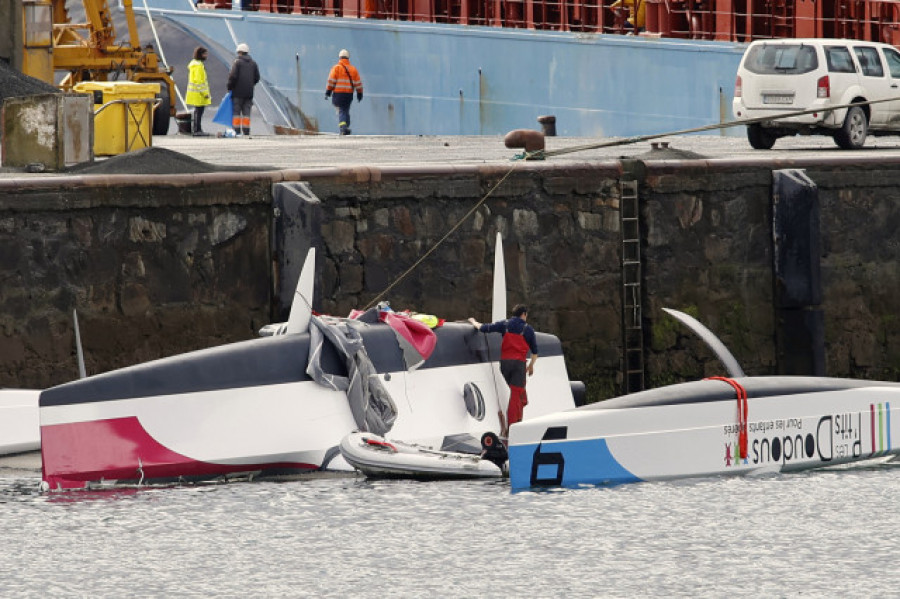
[(344, 54), (243, 48)]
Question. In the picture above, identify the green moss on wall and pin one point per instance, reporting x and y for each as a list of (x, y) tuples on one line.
[(665, 330)]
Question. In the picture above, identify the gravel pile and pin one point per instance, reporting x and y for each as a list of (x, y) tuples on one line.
[(153, 161), (14, 84)]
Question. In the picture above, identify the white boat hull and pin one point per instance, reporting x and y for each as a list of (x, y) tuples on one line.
[(199, 416), (20, 429), (684, 431)]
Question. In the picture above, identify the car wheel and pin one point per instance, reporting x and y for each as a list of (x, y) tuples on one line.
[(760, 138), (852, 134)]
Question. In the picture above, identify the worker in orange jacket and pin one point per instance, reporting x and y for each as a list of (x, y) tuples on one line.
[(343, 80)]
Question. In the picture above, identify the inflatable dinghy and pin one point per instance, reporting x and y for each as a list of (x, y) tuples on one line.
[(377, 457)]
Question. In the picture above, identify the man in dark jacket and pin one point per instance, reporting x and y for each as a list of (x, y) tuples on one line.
[(243, 77), (518, 340)]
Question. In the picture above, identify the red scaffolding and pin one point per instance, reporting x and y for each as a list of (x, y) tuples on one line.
[(723, 20)]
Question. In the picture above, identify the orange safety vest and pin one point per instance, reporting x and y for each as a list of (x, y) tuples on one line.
[(344, 78)]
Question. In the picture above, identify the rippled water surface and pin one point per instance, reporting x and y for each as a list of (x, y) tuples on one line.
[(817, 534)]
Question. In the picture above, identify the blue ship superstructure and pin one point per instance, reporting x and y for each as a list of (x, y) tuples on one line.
[(444, 79)]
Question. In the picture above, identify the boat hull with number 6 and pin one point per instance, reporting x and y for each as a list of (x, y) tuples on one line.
[(718, 426)]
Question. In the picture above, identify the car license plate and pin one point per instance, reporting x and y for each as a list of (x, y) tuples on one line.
[(778, 99)]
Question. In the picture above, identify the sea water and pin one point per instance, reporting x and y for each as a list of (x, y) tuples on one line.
[(826, 533)]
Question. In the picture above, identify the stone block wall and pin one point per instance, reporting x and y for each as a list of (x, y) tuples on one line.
[(153, 269), (157, 266), (561, 236), (709, 244), (708, 252), (860, 207)]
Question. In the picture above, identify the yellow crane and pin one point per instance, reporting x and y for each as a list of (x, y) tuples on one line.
[(90, 51)]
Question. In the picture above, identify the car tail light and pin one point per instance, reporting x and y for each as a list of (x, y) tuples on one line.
[(738, 87), (823, 87)]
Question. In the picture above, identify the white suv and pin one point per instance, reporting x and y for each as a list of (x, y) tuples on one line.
[(790, 75)]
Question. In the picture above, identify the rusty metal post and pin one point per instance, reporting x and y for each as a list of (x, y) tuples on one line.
[(548, 124)]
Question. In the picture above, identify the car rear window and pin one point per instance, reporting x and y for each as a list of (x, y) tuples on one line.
[(838, 59), (784, 59)]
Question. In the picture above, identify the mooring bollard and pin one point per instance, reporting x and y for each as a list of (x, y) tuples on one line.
[(548, 124), (528, 139)]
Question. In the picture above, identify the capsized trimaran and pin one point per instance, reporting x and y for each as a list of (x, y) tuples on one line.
[(264, 407)]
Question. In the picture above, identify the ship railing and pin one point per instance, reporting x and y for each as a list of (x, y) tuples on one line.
[(721, 20)]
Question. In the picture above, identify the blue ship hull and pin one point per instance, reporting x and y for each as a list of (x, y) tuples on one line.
[(439, 79)]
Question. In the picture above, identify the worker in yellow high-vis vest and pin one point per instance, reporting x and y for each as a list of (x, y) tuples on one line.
[(198, 89)]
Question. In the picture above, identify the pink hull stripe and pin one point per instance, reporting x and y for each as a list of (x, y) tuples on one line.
[(121, 449)]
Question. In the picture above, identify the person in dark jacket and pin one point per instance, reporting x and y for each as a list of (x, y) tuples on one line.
[(343, 80), (242, 79), (518, 340)]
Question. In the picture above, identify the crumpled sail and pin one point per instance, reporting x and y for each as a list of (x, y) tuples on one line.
[(415, 338), (371, 405)]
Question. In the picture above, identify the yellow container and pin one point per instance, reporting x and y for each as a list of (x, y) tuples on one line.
[(123, 115)]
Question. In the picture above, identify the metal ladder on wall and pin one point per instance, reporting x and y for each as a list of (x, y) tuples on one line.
[(633, 331)]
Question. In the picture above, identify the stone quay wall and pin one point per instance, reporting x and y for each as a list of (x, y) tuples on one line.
[(709, 251), (156, 266), (153, 266)]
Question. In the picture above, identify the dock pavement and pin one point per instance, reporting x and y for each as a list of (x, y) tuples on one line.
[(316, 151), (281, 152)]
